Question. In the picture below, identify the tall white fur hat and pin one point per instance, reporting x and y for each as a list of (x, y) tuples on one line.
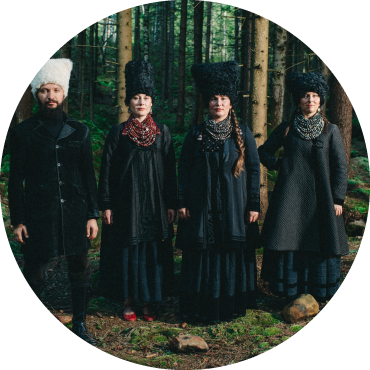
[(55, 71)]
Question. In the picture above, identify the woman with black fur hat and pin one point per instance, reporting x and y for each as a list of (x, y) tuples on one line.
[(137, 194), (219, 186), (303, 234)]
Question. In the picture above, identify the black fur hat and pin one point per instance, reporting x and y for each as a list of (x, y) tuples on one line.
[(139, 79), (217, 79), (301, 83)]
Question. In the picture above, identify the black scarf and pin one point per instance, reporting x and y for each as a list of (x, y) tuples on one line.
[(310, 128)]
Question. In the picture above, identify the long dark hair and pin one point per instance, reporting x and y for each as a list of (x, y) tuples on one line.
[(326, 122), (238, 143)]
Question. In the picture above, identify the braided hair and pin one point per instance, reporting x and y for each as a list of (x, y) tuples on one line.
[(238, 143), (291, 121)]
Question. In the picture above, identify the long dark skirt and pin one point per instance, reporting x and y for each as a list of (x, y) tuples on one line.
[(292, 273), (141, 271), (215, 285)]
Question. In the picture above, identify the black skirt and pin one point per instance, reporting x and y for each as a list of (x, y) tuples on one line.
[(142, 271), (216, 285), (292, 273)]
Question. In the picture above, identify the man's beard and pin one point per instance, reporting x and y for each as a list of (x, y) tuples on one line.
[(50, 114)]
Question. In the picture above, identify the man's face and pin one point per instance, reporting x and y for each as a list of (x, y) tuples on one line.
[(50, 95)]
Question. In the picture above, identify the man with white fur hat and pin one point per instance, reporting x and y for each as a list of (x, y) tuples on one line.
[(55, 212)]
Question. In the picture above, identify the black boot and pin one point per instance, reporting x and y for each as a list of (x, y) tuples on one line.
[(79, 305)]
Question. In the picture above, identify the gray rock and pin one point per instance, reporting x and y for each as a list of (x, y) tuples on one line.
[(184, 343)]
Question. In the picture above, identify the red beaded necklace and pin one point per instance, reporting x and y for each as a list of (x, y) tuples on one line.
[(141, 133)]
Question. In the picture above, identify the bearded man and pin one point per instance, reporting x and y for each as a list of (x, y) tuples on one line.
[(52, 190)]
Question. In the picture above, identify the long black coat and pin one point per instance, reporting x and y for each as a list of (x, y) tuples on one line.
[(60, 192), (312, 178), (194, 178), (119, 182)]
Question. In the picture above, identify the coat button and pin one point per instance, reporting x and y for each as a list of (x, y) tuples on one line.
[(58, 164), (57, 146), (62, 201), (60, 183)]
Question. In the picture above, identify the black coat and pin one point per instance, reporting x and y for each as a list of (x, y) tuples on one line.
[(312, 178), (122, 191), (60, 192), (236, 193)]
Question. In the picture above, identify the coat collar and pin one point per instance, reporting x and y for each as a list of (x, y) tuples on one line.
[(42, 130)]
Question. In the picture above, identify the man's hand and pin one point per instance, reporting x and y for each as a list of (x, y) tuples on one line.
[(253, 216), (338, 209), (19, 231), (107, 217), (171, 215), (184, 213), (91, 229)]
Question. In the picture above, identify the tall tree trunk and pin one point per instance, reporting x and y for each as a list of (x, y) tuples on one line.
[(23, 111), (325, 71), (82, 73), (65, 52), (91, 73), (236, 49), (164, 54), (137, 49), (208, 32), (146, 32), (156, 24), (171, 55), (96, 57), (180, 119), (289, 62), (246, 62), (124, 56), (340, 113), (278, 76), (258, 121), (198, 33)]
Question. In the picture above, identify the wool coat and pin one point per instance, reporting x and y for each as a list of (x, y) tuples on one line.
[(59, 193), (237, 195), (121, 188), (312, 178)]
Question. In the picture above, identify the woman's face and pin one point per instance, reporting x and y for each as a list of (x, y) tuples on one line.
[(140, 105), (219, 107), (309, 104)]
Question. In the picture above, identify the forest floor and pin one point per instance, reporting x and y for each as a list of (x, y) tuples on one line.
[(146, 342)]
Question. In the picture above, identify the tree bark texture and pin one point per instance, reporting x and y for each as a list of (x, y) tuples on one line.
[(236, 32), (137, 48), (278, 76), (23, 111), (258, 109), (340, 113), (246, 38), (91, 73), (146, 32), (124, 56), (208, 32), (82, 73), (171, 55), (198, 33), (180, 118), (325, 71), (164, 54), (65, 52), (287, 108)]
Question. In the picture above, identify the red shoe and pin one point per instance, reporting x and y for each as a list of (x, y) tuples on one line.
[(131, 316), (149, 317)]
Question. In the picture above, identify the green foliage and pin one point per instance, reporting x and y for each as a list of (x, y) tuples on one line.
[(5, 163), (295, 328)]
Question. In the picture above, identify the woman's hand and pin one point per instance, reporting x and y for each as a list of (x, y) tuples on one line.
[(338, 209), (91, 229), (171, 215), (19, 231), (253, 216), (184, 213), (107, 217)]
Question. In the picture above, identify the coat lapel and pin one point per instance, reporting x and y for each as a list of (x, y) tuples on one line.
[(42, 130), (65, 131)]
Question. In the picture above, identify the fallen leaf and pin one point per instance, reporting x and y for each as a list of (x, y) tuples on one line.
[(119, 348), (184, 325), (61, 311), (64, 319), (150, 355), (112, 317), (99, 314), (133, 351)]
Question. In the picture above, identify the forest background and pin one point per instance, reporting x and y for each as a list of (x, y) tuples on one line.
[(173, 35)]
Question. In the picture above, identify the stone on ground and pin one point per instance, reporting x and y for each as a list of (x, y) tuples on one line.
[(64, 319), (301, 308), (184, 343)]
